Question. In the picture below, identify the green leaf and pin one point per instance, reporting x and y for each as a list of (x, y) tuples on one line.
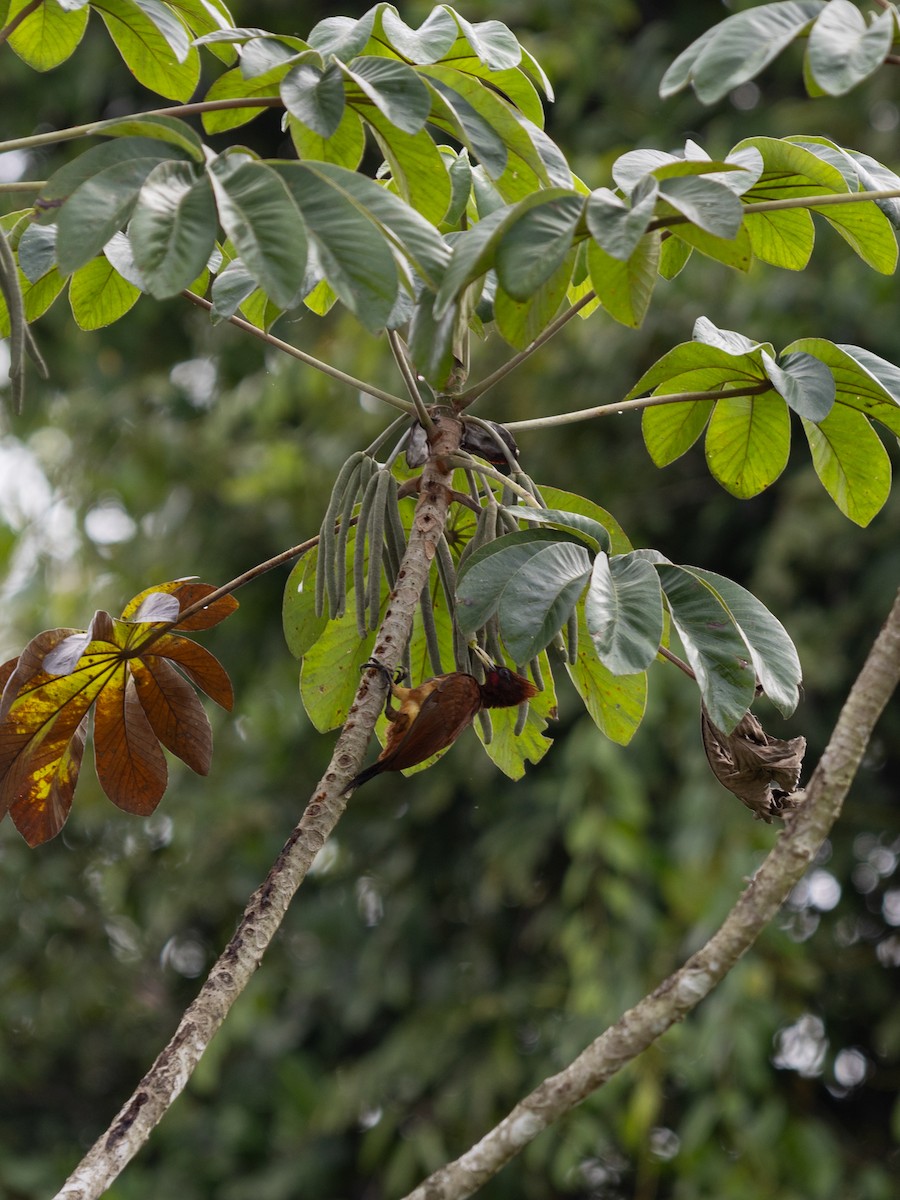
[(262, 220), (520, 322), (842, 50), (587, 529), (315, 97), (354, 253), (615, 704), (531, 248), (804, 382), (164, 129), (624, 612), (99, 295), (231, 85), (733, 252), (729, 340), (427, 44), (851, 462), (97, 209), (137, 31), (92, 162), (230, 289), (738, 48), (472, 255), (713, 644), (669, 430), (864, 381), (570, 502), (395, 90), (343, 37), (464, 121), (699, 366), (625, 288), (173, 229), (207, 16), (784, 239), (47, 36), (748, 442), (344, 148), (37, 251), (512, 84), (532, 580), (492, 41), (614, 225), (673, 257), (707, 204), (411, 234), (795, 167), (432, 340), (329, 677), (417, 167), (772, 652)]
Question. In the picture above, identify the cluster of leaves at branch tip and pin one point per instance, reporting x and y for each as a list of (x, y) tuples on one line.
[(498, 233), (135, 672), (492, 233), (520, 573)]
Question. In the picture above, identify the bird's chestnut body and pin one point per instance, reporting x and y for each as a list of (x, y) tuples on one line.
[(431, 717)]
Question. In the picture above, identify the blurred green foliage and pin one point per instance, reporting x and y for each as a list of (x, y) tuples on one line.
[(461, 937)]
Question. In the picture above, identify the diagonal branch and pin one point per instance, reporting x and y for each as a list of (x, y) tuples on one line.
[(172, 1069), (681, 992)]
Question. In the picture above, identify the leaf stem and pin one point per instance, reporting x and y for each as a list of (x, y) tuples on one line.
[(360, 385), (174, 110), (402, 360), (467, 463), (469, 397), (606, 410), (8, 30), (761, 206), (22, 185)]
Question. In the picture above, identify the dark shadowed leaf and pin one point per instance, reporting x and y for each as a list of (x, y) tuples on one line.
[(772, 652), (805, 383), (262, 220), (173, 228), (395, 90), (315, 97), (713, 644), (624, 612)]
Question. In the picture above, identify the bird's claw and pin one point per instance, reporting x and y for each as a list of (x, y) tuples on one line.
[(372, 664)]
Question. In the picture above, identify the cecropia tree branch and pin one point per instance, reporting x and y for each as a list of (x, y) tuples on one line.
[(173, 1067), (795, 850)]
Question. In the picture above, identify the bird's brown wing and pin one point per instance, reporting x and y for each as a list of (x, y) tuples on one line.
[(436, 721)]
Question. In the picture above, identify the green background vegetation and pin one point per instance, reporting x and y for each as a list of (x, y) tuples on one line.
[(461, 937)]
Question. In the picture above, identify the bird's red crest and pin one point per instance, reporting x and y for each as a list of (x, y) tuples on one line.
[(503, 688)]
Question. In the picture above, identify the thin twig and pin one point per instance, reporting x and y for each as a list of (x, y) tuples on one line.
[(8, 30), (795, 850), (473, 393), (402, 361), (23, 185), (665, 652), (815, 202), (359, 384), (608, 410), (92, 128)]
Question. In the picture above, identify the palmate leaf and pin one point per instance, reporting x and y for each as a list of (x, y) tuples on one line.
[(121, 667)]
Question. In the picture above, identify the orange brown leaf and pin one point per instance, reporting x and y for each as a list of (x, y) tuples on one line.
[(123, 667)]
